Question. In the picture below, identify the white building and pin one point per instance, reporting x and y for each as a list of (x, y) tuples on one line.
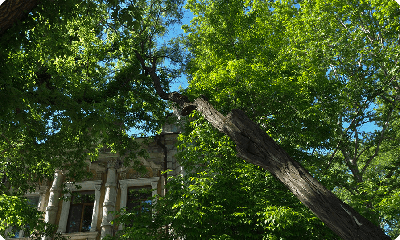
[(86, 214)]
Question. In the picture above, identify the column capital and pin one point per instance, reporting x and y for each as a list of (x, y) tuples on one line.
[(154, 185), (52, 208), (123, 186), (55, 189), (111, 185), (109, 204), (43, 189), (114, 163), (97, 187)]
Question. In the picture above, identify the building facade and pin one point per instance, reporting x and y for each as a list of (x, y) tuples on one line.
[(86, 214)]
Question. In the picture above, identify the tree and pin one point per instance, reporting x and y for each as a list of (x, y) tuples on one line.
[(63, 89), (65, 95), (70, 94), (225, 61), (366, 70)]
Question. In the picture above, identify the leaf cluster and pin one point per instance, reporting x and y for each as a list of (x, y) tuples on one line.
[(222, 197)]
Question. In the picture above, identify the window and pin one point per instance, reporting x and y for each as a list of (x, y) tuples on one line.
[(131, 195), (75, 217), (139, 202), (81, 211), (33, 201), (139, 198)]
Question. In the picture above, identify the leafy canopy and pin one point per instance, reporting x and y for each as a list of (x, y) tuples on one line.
[(321, 77), (313, 74), (71, 87)]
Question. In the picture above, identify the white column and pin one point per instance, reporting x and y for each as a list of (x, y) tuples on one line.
[(122, 203), (62, 224), (154, 187), (153, 194), (95, 208), (124, 195), (42, 198), (52, 206), (41, 203), (109, 199)]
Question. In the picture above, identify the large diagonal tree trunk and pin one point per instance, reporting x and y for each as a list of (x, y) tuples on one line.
[(257, 147), (13, 10)]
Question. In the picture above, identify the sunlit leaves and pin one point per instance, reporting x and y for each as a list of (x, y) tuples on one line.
[(224, 197), (246, 63), (318, 76), (16, 212)]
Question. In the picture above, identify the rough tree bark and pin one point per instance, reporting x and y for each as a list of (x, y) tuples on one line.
[(255, 146), (14, 10)]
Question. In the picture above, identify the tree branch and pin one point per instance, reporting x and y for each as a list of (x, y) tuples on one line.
[(379, 142), (256, 147)]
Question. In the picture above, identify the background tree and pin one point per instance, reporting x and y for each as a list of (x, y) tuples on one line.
[(67, 94), (359, 48), (61, 96)]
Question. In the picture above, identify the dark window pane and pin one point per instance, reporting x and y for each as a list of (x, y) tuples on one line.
[(146, 205), (87, 218), (15, 230), (138, 201), (33, 201), (138, 197), (74, 218), (81, 210)]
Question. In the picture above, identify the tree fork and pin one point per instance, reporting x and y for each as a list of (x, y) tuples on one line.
[(256, 147)]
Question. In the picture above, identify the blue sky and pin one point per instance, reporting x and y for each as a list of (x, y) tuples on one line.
[(175, 32)]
